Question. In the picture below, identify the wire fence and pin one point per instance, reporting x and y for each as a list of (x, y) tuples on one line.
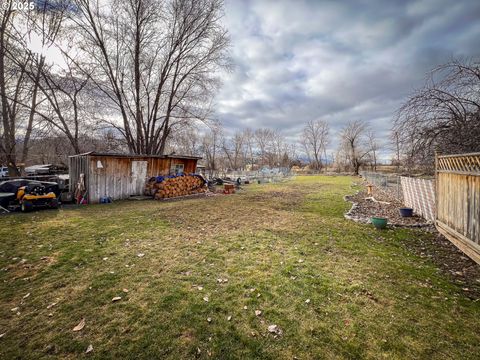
[(262, 176), (389, 183)]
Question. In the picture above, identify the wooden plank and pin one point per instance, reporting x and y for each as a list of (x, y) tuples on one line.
[(468, 247)]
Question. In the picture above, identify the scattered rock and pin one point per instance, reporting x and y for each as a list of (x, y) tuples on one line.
[(258, 312), (140, 255), (89, 349), (116, 298), (307, 301), (229, 318), (26, 296), (205, 298), (274, 329), (209, 320)]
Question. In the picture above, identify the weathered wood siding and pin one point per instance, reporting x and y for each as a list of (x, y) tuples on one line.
[(120, 177), (458, 201), (77, 165)]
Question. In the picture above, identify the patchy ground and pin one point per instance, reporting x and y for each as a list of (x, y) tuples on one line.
[(446, 256), (381, 205), (274, 272)]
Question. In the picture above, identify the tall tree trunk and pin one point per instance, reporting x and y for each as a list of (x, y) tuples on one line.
[(31, 116)]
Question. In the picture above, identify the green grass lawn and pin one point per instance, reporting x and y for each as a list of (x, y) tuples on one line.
[(270, 248)]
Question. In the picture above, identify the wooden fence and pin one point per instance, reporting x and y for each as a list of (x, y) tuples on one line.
[(458, 201)]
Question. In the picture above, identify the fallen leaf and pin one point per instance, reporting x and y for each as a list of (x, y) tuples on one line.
[(80, 325), (89, 349), (51, 305), (116, 298), (258, 312)]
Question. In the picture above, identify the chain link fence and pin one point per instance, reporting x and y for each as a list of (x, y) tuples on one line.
[(262, 176), (389, 183)]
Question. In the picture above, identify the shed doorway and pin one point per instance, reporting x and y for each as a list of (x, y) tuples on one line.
[(139, 177)]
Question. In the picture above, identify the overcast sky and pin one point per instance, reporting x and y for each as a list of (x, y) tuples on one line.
[(336, 60)]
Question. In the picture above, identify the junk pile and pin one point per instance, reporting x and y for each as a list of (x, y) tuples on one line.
[(162, 187)]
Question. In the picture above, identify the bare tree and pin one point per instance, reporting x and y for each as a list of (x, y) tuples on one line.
[(315, 141), (354, 143), (69, 99), (444, 114), (14, 87), (373, 146), (263, 139), (155, 61), (20, 98), (249, 138), (211, 145), (234, 150)]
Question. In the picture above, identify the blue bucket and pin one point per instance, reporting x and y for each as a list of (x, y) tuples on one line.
[(406, 212)]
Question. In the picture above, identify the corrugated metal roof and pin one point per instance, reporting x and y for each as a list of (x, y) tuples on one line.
[(170, 156)]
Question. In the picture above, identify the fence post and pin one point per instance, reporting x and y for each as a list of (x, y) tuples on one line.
[(436, 184), (398, 187)]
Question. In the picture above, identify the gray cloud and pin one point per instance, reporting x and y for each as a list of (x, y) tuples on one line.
[(301, 60)]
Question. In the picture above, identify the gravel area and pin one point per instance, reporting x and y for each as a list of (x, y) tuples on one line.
[(365, 206)]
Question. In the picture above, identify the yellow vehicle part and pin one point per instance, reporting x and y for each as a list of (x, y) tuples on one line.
[(20, 192), (30, 197)]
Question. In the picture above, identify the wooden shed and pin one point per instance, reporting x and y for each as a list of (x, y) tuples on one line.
[(120, 176)]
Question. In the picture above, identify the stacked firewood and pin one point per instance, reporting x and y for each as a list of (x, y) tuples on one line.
[(170, 187)]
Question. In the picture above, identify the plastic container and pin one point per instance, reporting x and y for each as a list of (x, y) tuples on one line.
[(406, 212), (379, 222)]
